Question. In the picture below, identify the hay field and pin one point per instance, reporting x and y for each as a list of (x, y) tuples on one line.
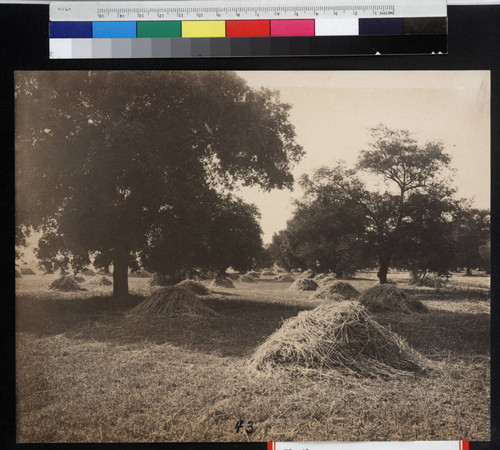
[(88, 372)]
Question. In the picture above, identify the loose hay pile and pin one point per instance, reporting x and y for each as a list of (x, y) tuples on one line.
[(387, 297), (172, 301), (255, 274), (88, 272), (141, 273), (308, 273), (303, 284), (78, 279), (194, 287), (338, 336), (102, 281), (285, 278), (247, 279), (268, 273), (221, 282), (159, 280), (328, 279), (233, 276), (321, 276), (66, 284), (336, 288)]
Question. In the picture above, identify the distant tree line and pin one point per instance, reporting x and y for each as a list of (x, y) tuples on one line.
[(412, 223)]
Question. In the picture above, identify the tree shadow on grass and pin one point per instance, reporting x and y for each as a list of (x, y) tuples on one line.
[(241, 326), (442, 332), (47, 317)]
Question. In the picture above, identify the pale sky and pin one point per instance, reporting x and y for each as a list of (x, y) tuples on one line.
[(332, 112)]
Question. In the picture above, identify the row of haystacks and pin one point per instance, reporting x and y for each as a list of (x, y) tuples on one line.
[(379, 298), (342, 337), (67, 283)]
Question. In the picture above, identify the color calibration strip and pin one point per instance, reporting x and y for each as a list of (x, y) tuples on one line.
[(416, 445), (320, 31), (85, 40)]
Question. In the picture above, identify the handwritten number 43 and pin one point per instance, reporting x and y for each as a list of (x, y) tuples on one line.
[(248, 429)]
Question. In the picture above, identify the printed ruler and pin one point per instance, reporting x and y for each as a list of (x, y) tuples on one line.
[(246, 28), (243, 9)]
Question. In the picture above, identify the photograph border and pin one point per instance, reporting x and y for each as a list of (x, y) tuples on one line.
[(474, 37)]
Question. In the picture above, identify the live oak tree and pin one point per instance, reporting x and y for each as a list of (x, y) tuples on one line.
[(325, 234), (472, 235), (224, 233), (104, 158), (405, 167), (426, 243)]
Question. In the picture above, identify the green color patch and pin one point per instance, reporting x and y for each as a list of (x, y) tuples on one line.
[(158, 29)]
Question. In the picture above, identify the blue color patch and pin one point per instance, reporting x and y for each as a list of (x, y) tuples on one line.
[(70, 30), (114, 29)]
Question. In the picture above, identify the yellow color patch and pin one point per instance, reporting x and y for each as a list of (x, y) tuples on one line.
[(203, 28)]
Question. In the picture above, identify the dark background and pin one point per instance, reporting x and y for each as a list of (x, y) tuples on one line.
[(473, 44)]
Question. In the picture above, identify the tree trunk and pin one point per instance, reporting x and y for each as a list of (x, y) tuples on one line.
[(106, 269), (383, 268), (468, 272), (120, 274)]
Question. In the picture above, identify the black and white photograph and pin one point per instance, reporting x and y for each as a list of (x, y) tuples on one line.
[(235, 256)]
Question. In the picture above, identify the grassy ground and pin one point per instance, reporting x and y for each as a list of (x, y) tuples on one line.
[(88, 372)]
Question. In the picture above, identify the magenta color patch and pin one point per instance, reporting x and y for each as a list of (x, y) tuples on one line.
[(292, 27)]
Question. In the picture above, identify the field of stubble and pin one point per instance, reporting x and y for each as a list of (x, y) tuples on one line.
[(86, 374)]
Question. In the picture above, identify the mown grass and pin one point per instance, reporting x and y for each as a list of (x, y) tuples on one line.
[(88, 373)]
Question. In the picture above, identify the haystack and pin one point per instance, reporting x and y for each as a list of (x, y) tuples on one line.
[(387, 297), (268, 273), (88, 272), (328, 290), (65, 283), (339, 336), (141, 273), (320, 276), (221, 282), (254, 274), (309, 273), (328, 279), (233, 276), (102, 281), (194, 287), (303, 284), (78, 278), (285, 278), (159, 280), (27, 271), (172, 301), (247, 279)]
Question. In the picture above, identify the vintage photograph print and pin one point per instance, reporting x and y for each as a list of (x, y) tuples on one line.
[(252, 256)]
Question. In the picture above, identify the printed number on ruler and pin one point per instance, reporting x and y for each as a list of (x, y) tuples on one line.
[(242, 9)]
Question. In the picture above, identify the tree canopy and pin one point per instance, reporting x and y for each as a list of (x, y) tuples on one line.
[(407, 169), (106, 159)]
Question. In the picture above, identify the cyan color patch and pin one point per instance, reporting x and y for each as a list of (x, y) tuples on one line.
[(114, 29)]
